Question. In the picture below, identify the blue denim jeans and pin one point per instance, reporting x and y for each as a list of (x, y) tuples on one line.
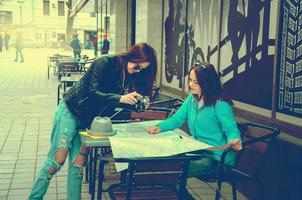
[(64, 140)]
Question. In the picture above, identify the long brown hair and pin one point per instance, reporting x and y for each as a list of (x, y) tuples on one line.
[(138, 53), (209, 82)]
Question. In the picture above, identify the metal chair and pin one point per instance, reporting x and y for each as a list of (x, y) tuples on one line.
[(52, 62), (154, 178), (257, 141), (66, 67)]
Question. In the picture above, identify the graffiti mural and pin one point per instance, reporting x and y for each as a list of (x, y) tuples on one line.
[(289, 68), (174, 27), (186, 37), (247, 48)]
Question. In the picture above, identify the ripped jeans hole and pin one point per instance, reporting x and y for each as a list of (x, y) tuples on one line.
[(61, 156), (65, 143), (51, 172), (80, 169)]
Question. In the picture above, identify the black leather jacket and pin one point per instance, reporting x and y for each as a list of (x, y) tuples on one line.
[(97, 93)]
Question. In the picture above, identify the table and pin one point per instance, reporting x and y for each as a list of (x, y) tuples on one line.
[(142, 145)]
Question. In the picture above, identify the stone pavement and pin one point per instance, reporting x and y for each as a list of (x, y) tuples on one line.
[(27, 104)]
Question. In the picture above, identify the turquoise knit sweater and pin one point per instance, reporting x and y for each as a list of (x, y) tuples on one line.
[(214, 125)]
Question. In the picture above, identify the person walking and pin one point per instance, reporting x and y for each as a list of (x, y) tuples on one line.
[(19, 48), (110, 80), (6, 40), (105, 45), (1, 42), (76, 47), (94, 42)]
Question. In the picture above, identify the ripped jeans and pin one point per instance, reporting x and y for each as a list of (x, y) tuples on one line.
[(64, 140)]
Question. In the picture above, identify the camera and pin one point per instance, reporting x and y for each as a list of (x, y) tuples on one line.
[(141, 104)]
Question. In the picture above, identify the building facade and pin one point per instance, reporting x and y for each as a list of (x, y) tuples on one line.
[(43, 23)]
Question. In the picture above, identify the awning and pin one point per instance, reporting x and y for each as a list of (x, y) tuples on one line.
[(77, 7)]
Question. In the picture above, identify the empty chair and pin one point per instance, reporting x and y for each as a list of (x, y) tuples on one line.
[(52, 62), (66, 67)]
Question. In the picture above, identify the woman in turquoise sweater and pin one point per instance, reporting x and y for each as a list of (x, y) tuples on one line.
[(208, 112)]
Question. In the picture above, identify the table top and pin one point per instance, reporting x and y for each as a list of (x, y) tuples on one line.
[(133, 140)]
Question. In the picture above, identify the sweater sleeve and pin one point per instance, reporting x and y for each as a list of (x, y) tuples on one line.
[(225, 115), (178, 119), (98, 73)]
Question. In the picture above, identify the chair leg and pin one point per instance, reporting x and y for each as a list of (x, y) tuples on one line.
[(90, 169), (87, 167), (218, 190), (234, 186), (261, 189), (48, 72), (100, 179)]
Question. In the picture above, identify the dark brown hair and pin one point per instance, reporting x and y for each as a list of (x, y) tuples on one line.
[(211, 87), (138, 53)]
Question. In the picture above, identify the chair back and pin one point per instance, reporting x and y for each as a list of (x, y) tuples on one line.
[(66, 67), (257, 142), (152, 113), (174, 103)]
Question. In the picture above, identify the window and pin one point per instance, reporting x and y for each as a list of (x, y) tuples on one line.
[(61, 8), (6, 17), (46, 7)]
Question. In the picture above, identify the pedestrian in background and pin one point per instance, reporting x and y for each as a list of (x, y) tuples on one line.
[(105, 45), (6, 40), (19, 48), (1, 42), (94, 42), (76, 47)]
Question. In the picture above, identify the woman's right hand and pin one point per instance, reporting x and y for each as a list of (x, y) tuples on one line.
[(130, 98), (153, 129)]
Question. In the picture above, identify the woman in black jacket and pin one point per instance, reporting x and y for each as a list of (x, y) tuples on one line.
[(111, 80)]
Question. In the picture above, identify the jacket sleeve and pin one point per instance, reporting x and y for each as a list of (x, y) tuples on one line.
[(225, 115), (178, 119), (98, 73)]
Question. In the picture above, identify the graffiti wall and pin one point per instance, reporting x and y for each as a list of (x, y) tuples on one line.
[(196, 24), (248, 50), (174, 33), (289, 67)]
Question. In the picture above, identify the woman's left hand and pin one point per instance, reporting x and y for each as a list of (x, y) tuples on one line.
[(236, 145)]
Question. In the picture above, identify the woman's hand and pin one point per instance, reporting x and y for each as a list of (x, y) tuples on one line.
[(236, 145), (130, 98), (153, 129)]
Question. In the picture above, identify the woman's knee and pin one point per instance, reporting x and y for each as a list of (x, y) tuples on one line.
[(80, 160)]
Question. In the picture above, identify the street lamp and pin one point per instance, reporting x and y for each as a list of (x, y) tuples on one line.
[(20, 3)]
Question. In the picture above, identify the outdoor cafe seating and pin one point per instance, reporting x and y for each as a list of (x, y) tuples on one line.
[(69, 72)]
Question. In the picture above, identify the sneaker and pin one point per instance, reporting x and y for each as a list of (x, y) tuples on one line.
[(21, 61), (15, 60)]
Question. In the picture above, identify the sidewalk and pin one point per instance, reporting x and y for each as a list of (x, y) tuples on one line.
[(27, 104)]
